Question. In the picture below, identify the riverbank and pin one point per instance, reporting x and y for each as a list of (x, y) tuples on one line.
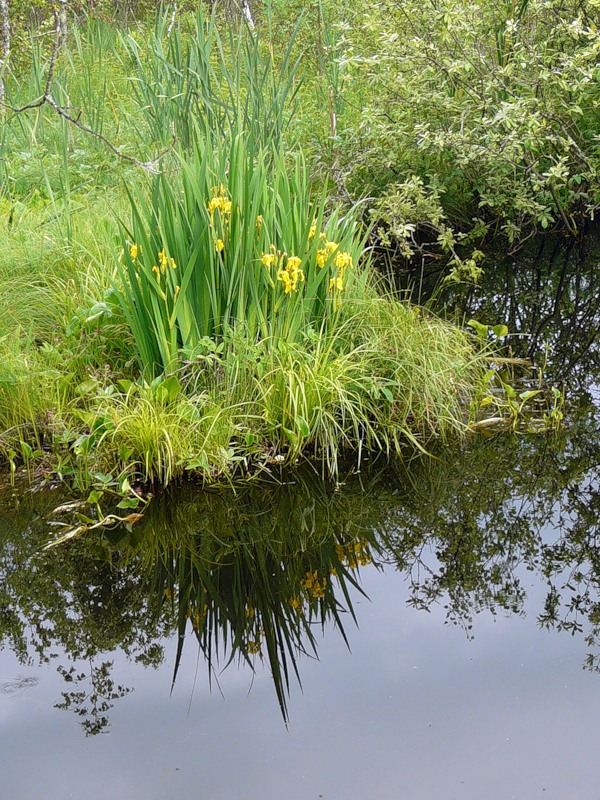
[(186, 294)]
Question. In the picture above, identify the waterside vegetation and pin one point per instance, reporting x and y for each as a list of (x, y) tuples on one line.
[(198, 297)]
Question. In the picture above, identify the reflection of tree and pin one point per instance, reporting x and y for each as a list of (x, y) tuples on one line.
[(477, 522), (252, 573), (72, 605), (93, 703), (572, 567), (548, 296), (465, 529)]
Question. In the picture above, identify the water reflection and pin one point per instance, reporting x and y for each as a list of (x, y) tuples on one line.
[(249, 576), (70, 608), (252, 575), (547, 294)]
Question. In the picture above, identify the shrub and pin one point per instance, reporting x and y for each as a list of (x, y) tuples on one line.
[(493, 104)]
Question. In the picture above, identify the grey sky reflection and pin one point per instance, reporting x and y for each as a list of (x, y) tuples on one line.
[(416, 711)]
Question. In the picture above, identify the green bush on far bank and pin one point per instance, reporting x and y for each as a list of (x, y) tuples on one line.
[(490, 110)]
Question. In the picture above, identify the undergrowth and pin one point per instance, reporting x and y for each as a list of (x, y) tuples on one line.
[(220, 316)]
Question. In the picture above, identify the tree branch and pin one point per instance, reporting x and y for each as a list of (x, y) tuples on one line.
[(48, 99)]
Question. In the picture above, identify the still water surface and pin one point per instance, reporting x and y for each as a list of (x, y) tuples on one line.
[(443, 618)]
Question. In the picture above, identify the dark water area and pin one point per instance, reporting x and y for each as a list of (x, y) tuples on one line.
[(420, 630), (548, 295)]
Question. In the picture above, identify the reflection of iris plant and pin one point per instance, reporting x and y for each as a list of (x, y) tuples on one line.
[(252, 584)]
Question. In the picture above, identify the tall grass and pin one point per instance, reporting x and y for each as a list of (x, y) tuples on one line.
[(238, 241), (385, 377), (144, 90), (199, 77)]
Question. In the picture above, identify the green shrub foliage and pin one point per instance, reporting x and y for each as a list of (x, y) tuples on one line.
[(492, 104)]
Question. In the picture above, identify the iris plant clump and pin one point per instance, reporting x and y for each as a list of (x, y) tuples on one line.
[(233, 243), (246, 292)]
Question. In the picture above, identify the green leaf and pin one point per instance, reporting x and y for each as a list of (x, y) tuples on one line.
[(125, 453), (291, 436), (480, 330), (87, 388), (103, 478), (125, 385), (84, 519), (529, 394), (387, 393), (27, 450), (95, 496), (168, 390), (99, 310), (303, 427), (132, 502)]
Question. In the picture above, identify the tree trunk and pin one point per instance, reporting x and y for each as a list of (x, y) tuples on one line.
[(172, 22), (62, 21), (247, 13), (5, 34)]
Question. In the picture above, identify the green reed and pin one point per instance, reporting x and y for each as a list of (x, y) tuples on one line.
[(200, 76)]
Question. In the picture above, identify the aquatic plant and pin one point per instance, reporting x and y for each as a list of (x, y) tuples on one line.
[(238, 241)]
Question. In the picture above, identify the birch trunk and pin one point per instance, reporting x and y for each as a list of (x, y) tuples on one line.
[(5, 34), (247, 13), (62, 21), (172, 22)]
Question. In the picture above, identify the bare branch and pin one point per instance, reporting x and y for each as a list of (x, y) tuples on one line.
[(48, 99), (148, 166)]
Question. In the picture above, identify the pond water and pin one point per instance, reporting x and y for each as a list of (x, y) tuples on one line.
[(420, 630)]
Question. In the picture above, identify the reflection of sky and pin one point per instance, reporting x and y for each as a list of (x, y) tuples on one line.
[(416, 711), (594, 390)]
